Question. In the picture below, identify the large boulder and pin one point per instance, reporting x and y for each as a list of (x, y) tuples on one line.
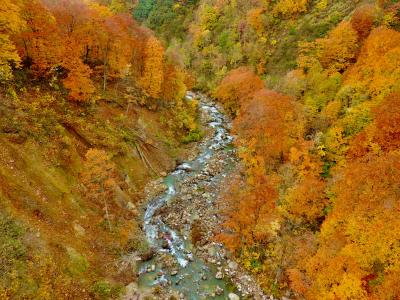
[(233, 296)]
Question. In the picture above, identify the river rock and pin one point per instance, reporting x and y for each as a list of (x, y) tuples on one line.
[(233, 296), (174, 272), (146, 256), (188, 197), (219, 291), (165, 244), (219, 275), (185, 167), (130, 206), (211, 250), (79, 230), (131, 289)]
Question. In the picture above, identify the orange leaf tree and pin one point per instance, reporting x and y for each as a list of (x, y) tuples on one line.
[(237, 88), (359, 239), (249, 212), (338, 50), (363, 20), (274, 123), (40, 45), (377, 69), (383, 134)]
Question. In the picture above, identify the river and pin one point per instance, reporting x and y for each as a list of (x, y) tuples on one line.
[(190, 277)]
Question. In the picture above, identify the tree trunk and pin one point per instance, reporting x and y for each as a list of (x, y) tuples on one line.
[(105, 67), (107, 214)]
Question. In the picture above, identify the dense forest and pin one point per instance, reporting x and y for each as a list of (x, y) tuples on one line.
[(92, 108), (313, 87)]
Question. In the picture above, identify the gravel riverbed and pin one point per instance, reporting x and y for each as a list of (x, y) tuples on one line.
[(187, 210)]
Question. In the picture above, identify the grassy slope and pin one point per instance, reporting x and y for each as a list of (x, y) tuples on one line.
[(46, 222)]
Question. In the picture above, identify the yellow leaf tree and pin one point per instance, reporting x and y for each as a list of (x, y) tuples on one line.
[(152, 74), (290, 7), (10, 23)]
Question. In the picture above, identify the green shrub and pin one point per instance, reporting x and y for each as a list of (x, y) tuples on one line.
[(78, 263), (193, 136), (143, 9), (12, 249), (106, 290)]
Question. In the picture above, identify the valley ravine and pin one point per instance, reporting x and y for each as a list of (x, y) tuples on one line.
[(189, 200)]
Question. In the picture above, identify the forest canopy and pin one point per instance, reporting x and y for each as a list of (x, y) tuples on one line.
[(312, 87)]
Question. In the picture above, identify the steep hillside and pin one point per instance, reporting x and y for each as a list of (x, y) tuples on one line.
[(214, 37), (91, 109)]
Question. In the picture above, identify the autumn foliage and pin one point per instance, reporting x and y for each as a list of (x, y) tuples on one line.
[(309, 193), (382, 135), (237, 88), (290, 7), (81, 45), (363, 20), (336, 52), (10, 23), (359, 238), (250, 213), (269, 124), (376, 68), (255, 19), (313, 210), (339, 49), (152, 77)]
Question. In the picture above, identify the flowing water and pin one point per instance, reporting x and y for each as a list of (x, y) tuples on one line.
[(193, 278)]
